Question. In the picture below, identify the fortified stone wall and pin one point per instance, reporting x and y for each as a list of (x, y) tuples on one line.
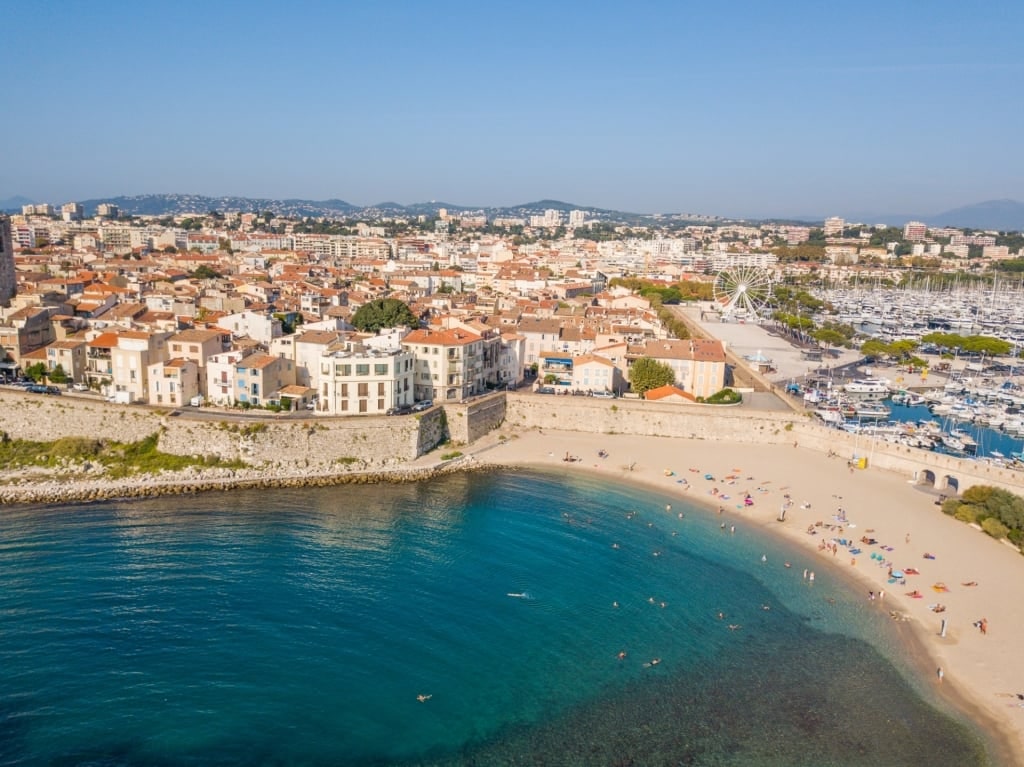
[(321, 443), (470, 421), (357, 443), (628, 416), (382, 442), (736, 425), (43, 418)]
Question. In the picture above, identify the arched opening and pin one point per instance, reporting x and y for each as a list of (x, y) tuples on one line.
[(952, 484), (926, 477)]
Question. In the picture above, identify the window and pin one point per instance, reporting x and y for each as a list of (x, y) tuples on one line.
[(364, 390), (362, 370), (344, 390), (380, 404), (380, 388), (344, 405), (380, 370), (362, 406)]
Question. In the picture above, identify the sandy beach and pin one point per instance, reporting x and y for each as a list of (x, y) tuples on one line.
[(981, 672)]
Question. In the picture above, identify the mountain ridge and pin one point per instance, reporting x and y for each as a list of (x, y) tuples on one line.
[(999, 215)]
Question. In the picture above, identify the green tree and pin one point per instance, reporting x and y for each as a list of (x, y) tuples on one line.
[(36, 371), (647, 373), (205, 272), (57, 375), (829, 337), (873, 348), (383, 313)]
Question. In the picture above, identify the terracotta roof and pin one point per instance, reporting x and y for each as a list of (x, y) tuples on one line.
[(441, 337), (668, 390)]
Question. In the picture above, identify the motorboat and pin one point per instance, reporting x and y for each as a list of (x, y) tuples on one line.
[(867, 386)]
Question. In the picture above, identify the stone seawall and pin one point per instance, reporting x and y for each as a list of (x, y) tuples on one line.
[(585, 414), (43, 418), (634, 416), (468, 422), (279, 446), (272, 441)]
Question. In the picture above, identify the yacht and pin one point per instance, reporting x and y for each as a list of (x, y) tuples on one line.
[(872, 410), (867, 386)]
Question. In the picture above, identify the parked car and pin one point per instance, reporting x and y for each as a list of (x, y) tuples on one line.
[(400, 410), (604, 394), (80, 387), (546, 390), (426, 404), (42, 389)]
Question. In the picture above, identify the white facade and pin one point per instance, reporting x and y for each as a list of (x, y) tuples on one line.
[(360, 381)]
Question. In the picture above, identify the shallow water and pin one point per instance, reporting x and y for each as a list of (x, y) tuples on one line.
[(299, 626)]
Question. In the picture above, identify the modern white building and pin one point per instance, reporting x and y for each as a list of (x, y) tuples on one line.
[(361, 381)]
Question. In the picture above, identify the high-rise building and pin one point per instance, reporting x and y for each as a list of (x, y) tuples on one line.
[(915, 231), (8, 283), (107, 210), (577, 217), (72, 211), (834, 226)]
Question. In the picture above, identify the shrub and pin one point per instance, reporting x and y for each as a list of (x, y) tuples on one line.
[(995, 528), (966, 514)]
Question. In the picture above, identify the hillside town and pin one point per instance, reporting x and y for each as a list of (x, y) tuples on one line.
[(246, 309)]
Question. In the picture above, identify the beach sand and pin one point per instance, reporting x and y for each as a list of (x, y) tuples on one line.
[(981, 673)]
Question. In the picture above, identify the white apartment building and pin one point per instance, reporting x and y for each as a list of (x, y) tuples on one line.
[(361, 381)]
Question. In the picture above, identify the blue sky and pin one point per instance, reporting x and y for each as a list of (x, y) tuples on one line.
[(731, 108)]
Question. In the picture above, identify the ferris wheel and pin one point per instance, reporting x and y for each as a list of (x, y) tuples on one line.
[(743, 292)]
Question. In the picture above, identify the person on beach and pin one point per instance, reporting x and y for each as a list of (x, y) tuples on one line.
[(939, 674)]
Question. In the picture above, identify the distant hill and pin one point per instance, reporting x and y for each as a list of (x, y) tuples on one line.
[(178, 204), (1000, 215), (13, 204), (181, 204)]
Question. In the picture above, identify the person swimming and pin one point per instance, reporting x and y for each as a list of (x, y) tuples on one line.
[(423, 698)]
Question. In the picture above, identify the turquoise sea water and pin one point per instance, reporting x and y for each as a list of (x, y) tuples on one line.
[(299, 627)]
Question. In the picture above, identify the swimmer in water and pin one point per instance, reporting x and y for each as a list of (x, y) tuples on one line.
[(622, 655), (734, 627), (423, 698)]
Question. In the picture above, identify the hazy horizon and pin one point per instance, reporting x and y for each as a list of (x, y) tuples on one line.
[(746, 110)]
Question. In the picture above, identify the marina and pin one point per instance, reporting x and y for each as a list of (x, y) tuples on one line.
[(975, 420), (908, 313)]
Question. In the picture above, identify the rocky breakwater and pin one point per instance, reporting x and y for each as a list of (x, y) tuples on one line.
[(58, 490)]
